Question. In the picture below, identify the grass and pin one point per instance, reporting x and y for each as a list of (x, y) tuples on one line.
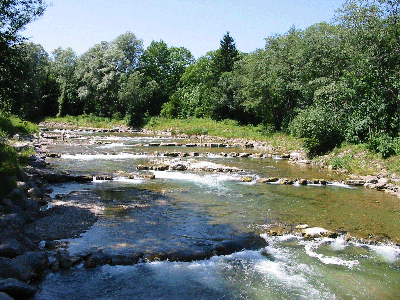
[(10, 125), (88, 121), (359, 160), (10, 160), (227, 129)]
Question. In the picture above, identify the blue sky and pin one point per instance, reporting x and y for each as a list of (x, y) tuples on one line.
[(197, 25)]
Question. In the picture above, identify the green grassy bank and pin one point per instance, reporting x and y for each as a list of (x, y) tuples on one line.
[(10, 160)]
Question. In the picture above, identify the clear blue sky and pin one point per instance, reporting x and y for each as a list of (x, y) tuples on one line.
[(197, 25)]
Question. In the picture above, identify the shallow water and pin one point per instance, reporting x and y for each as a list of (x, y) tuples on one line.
[(190, 210)]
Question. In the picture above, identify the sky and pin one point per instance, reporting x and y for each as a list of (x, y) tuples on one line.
[(197, 25)]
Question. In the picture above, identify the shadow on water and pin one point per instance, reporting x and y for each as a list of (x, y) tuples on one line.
[(177, 240), (136, 220)]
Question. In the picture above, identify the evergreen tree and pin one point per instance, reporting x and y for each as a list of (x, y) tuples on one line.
[(226, 55)]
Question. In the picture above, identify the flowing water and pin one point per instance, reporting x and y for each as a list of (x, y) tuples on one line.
[(188, 210)]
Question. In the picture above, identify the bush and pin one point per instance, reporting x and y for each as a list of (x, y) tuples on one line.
[(8, 169), (321, 129), (383, 144)]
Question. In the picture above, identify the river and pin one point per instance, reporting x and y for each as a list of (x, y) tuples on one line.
[(188, 211)]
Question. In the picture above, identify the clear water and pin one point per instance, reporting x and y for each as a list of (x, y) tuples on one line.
[(185, 210)]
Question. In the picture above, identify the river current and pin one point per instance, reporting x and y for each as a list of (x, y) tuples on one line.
[(185, 210)]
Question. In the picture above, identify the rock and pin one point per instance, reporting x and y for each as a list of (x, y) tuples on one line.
[(161, 167), (301, 226), (355, 182), (17, 197), (10, 248), (285, 181), (315, 232), (304, 161), (64, 260), (172, 154), (83, 178), (194, 154), (37, 261), (125, 260), (4, 296), (268, 180), (10, 268), (178, 167), (56, 245), (16, 288), (96, 259), (148, 176), (246, 179), (142, 167), (244, 155), (154, 144), (35, 193), (370, 179), (191, 145), (279, 230), (303, 181), (103, 177), (380, 186)]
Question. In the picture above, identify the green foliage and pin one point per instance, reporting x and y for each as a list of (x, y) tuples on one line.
[(320, 128), (225, 56), (91, 121), (196, 131), (8, 168), (10, 125), (14, 16), (342, 162), (384, 144)]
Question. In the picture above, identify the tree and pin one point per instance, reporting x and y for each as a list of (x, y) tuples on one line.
[(38, 90), (14, 15), (100, 72), (371, 37), (63, 68), (165, 66), (226, 55), (136, 94)]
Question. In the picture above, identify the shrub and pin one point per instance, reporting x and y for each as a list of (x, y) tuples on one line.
[(383, 144), (8, 169), (321, 129)]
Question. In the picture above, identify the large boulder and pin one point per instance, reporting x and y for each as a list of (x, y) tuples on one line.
[(4, 296), (24, 267), (10, 248), (16, 289)]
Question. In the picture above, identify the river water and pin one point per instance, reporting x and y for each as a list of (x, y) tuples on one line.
[(189, 210)]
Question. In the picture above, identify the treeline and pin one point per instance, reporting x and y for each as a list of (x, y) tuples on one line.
[(329, 83)]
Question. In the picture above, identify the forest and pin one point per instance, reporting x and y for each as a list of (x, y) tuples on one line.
[(327, 84)]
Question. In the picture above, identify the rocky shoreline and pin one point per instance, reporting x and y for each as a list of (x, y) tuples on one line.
[(30, 230)]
